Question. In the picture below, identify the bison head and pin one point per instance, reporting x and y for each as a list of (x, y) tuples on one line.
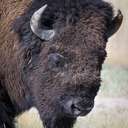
[(66, 75)]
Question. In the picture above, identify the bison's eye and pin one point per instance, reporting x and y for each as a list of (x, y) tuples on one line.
[(55, 60)]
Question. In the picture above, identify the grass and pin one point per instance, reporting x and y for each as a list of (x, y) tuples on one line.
[(110, 118), (114, 81)]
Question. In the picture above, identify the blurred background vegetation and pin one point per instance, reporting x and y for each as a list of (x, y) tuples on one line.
[(111, 107)]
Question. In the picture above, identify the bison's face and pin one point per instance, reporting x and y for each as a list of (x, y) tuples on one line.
[(67, 73), (69, 67), (72, 74)]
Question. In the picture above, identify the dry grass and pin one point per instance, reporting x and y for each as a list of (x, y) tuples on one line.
[(114, 81), (105, 118)]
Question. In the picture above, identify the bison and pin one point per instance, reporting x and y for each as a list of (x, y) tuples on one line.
[(51, 56)]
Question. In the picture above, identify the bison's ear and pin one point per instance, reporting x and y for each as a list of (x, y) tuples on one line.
[(34, 24), (115, 24)]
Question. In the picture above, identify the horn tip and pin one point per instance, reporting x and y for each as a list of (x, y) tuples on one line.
[(45, 5), (120, 15)]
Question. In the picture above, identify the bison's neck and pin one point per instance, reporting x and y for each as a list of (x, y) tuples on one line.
[(11, 55), (13, 76)]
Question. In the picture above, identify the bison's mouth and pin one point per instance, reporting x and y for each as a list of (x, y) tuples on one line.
[(75, 107), (80, 111)]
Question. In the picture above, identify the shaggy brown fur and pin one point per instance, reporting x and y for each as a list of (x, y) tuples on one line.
[(29, 74)]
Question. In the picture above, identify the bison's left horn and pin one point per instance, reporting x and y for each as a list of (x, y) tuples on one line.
[(116, 23), (34, 24)]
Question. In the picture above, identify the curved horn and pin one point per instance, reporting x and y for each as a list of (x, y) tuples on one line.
[(34, 24), (116, 23)]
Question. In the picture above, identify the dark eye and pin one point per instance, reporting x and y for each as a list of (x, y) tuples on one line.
[(55, 60)]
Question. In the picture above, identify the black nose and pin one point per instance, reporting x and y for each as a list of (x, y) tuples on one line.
[(81, 107)]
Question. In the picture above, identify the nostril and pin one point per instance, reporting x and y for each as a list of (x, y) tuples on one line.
[(73, 107)]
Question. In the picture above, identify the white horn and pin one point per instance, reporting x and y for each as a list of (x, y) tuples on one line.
[(34, 24)]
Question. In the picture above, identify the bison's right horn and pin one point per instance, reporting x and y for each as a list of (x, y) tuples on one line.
[(34, 24), (116, 23)]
